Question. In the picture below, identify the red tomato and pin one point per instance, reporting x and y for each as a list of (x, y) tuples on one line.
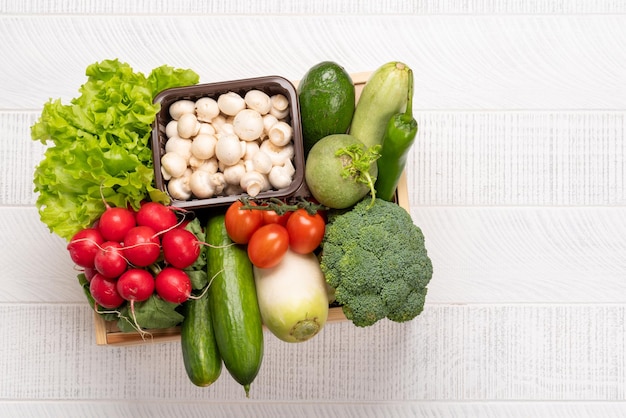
[(241, 223), (268, 245), (271, 217), (305, 231)]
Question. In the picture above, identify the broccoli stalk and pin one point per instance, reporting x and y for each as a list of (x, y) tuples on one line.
[(358, 168), (375, 259)]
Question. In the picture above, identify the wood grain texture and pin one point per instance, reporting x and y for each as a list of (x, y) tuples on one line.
[(478, 353), (518, 180), (250, 408), (323, 7), (461, 62)]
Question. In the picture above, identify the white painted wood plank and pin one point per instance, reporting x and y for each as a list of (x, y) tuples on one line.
[(250, 408), (517, 180), (461, 62), (459, 159), (518, 159), (480, 255), (19, 155), (474, 7), (450, 353), (501, 255), (36, 264)]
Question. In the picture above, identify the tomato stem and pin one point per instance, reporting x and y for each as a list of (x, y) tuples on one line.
[(281, 207)]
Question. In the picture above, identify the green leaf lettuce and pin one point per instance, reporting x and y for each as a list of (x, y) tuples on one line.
[(98, 145)]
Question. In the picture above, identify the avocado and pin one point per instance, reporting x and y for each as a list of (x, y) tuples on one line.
[(327, 102)]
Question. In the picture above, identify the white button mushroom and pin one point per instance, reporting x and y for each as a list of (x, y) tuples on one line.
[(260, 162), (252, 147), (210, 165), (281, 176), (269, 121), (254, 183), (188, 125), (259, 101), (180, 146), (278, 155), (178, 187), (231, 103), (233, 173), (280, 134), (205, 185), (228, 149), (206, 128), (203, 146), (181, 107), (232, 189), (171, 129), (173, 164), (248, 125), (206, 109), (218, 122), (280, 106)]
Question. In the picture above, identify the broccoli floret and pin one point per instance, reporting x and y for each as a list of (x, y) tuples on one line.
[(375, 259)]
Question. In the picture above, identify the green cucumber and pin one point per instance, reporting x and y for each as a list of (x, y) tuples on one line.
[(234, 307), (327, 99), (201, 356), (384, 95)]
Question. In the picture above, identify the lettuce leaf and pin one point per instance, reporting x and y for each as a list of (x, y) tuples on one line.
[(153, 313), (98, 145)]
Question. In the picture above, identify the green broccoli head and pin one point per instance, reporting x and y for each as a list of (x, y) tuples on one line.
[(376, 261)]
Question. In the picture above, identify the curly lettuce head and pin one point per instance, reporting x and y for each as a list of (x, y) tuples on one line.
[(98, 145)]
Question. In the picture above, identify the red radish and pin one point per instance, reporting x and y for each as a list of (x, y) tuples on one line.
[(180, 248), (135, 285), (141, 246), (89, 272), (104, 292), (157, 216), (84, 245), (109, 260), (173, 285), (115, 223)]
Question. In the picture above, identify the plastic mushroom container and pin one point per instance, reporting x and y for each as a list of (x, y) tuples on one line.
[(215, 143)]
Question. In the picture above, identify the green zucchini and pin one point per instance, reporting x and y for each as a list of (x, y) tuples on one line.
[(384, 95), (197, 339), (234, 307)]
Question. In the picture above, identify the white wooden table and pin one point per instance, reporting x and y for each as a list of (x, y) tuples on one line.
[(518, 180)]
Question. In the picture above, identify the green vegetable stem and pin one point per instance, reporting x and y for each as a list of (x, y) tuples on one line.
[(360, 161), (397, 141)]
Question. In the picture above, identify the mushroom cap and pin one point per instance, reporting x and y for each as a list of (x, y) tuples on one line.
[(259, 101), (248, 124), (206, 109), (228, 149), (231, 103)]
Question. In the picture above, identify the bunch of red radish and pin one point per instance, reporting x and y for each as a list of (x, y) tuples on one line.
[(129, 255)]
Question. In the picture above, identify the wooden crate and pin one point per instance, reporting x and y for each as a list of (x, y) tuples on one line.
[(107, 332)]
